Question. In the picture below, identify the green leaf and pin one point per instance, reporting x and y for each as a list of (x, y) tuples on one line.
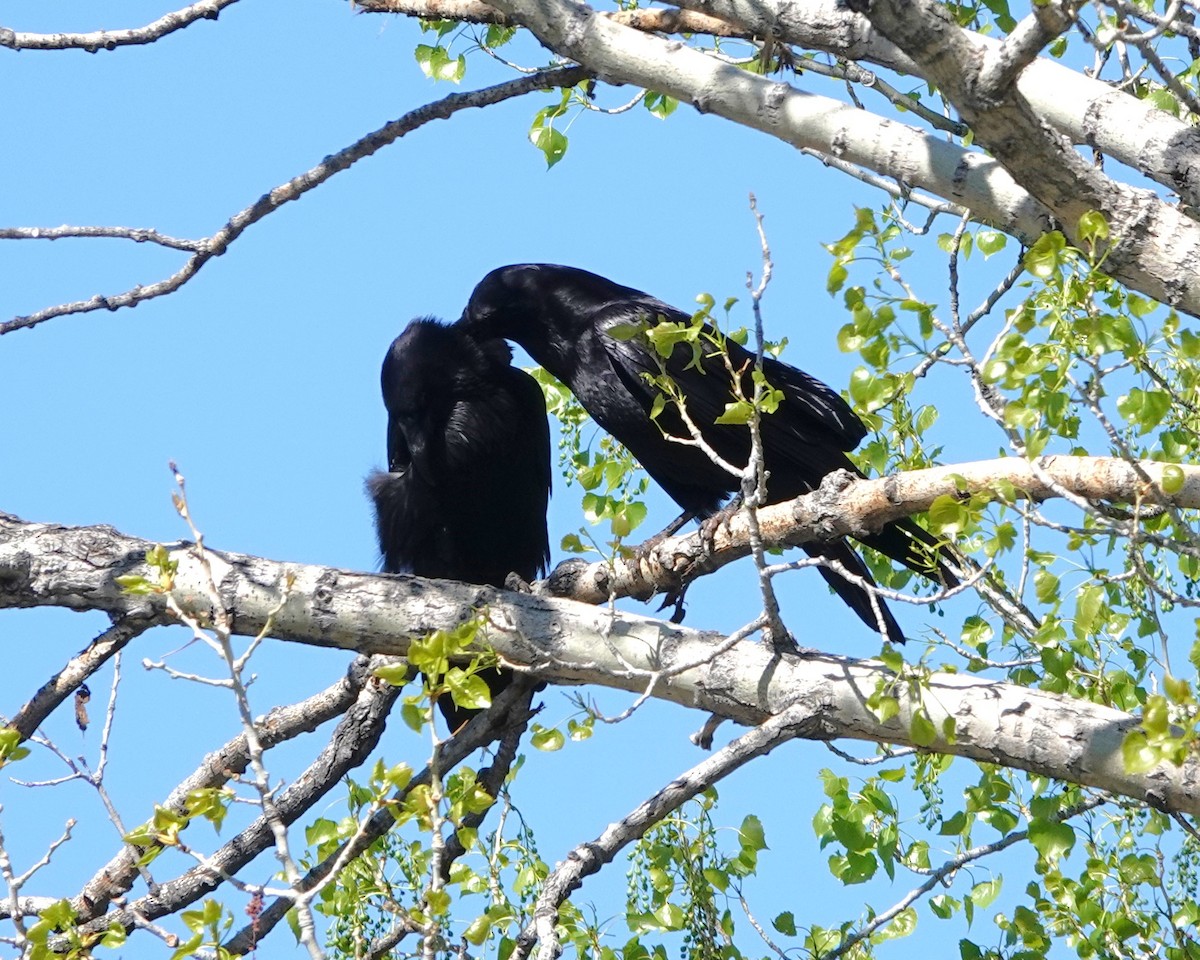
[(1051, 838), (551, 142), (984, 892), (135, 585), (625, 331), (1092, 227), (436, 63), (1177, 690), (660, 105), (468, 690), (947, 515), (1172, 479), (547, 738), (397, 674), (10, 746), (901, 925), (990, 241), (752, 835), (1045, 256), (498, 36), (922, 731), (438, 901), (785, 923), (1046, 585), (739, 412), (478, 930)]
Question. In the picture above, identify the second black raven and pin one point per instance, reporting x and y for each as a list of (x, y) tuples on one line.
[(563, 317), (468, 479)]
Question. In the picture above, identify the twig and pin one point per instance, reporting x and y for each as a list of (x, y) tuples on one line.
[(218, 243), (55, 690), (948, 869), (136, 234), (587, 858), (111, 39)]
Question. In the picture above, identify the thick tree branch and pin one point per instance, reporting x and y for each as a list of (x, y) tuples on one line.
[(845, 506), (1135, 132), (568, 642), (350, 744), (281, 724), (620, 54), (111, 39), (1154, 245), (295, 188)]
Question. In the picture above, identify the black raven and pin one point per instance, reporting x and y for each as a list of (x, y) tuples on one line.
[(562, 316), (468, 480)]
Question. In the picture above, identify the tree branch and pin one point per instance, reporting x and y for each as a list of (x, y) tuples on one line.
[(588, 858), (295, 188), (281, 724), (55, 690), (111, 39), (1154, 245), (620, 54), (568, 642)]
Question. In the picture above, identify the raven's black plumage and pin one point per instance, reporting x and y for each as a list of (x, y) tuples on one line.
[(561, 316), (468, 478)]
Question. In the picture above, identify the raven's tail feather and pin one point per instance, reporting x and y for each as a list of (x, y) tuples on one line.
[(855, 597), (909, 543)]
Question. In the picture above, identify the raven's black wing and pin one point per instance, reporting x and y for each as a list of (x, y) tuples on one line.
[(469, 467), (564, 318)]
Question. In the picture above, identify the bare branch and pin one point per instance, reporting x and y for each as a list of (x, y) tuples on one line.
[(136, 234), (587, 858), (295, 188), (509, 713), (111, 39), (55, 690)]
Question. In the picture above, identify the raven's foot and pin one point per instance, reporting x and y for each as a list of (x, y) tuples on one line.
[(517, 584)]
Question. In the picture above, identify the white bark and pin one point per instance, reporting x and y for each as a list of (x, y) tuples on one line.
[(567, 642), (1039, 183), (1130, 130), (621, 54)]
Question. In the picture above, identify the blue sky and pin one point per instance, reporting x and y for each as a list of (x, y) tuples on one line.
[(260, 377)]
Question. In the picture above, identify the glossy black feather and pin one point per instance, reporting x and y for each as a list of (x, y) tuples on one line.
[(468, 478), (562, 315)]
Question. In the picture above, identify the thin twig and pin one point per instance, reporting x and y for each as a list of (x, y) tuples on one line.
[(111, 39), (268, 203)]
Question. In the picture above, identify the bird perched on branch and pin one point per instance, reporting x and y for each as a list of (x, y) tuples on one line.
[(600, 339), (468, 479)]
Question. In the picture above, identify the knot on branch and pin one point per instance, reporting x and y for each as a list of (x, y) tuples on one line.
[(823, 511)]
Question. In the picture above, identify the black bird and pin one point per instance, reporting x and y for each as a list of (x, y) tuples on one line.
[(562, 317), (468, 479)]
